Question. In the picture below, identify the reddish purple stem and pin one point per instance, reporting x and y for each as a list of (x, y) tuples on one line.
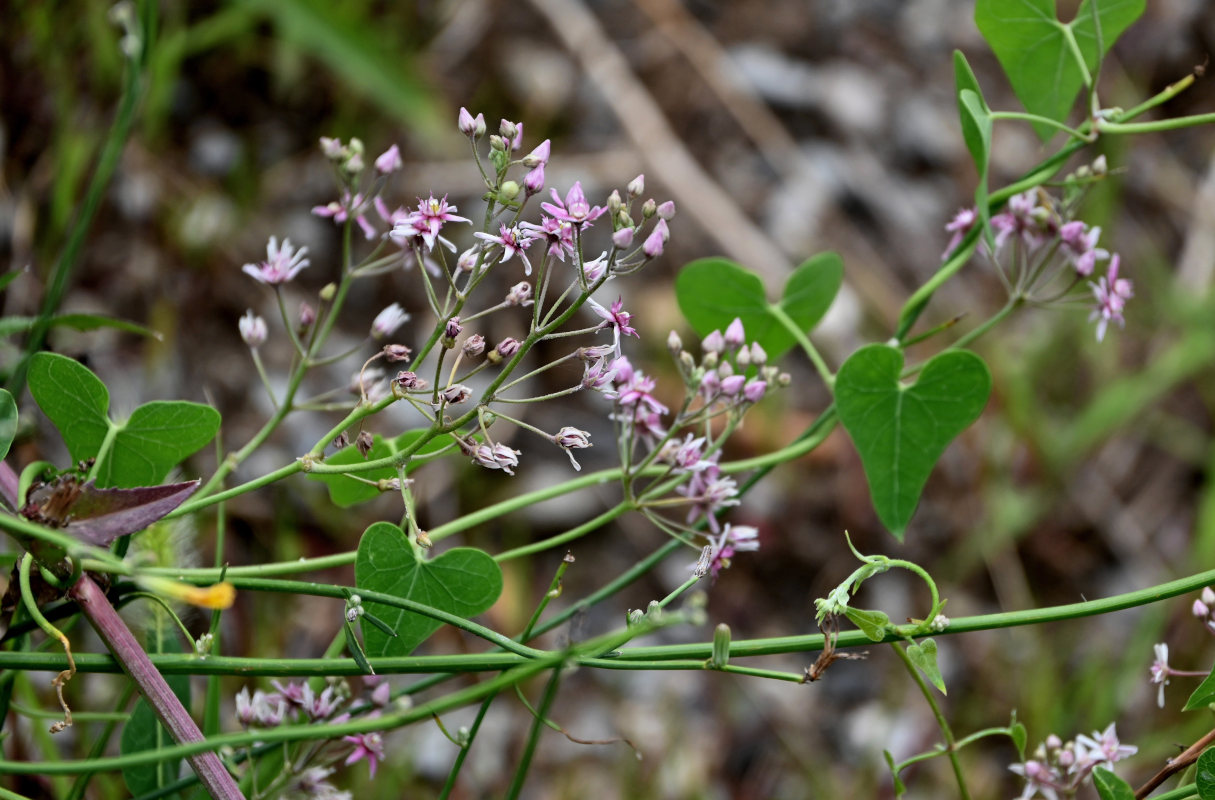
[(114, 632)]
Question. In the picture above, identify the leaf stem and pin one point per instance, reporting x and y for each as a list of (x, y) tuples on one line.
[(942, 723)]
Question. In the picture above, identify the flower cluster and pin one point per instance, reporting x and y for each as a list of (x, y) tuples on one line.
[(1043, 255), (1058, 768)]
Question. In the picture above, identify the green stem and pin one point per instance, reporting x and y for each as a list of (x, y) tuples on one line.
[(1069, 36), (1156, 125), (1034, 118), (942, 723), (533, 737), (802, 339)]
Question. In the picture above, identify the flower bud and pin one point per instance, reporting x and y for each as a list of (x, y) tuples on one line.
[(1208, 596), (648, 208), (572, 438), (364, 442), (758, 355), (452, 329), (721, 646), (307, 315), (520, 294), (406, 382), (387, 321), (353, 165), (735, 336), (470, 126), (656, 240), (1100, 167), (623, 238), (332, 148), (614, 203), (539, 156), (396, 352), (533, 181), (754, 391), (506, 129), (341, 441), (507, 347), (456, 394), (732, 385), (474, 345), (636, 186), (497, 143), (467, 261), (674, 344), (1200, 609), (253, 330), (508, 191), (389, 161), (423, 540), (713, 343), (666, 210), (622, 219), (327, 292)]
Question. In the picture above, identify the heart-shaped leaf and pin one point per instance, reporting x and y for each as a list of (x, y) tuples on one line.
[(1032, 46), (157, 437), (712, 292), (463, 581), (74, 399), (8, 422), (346, 491), (924, 656), (1204, 775), (143, 449), (901, 430)]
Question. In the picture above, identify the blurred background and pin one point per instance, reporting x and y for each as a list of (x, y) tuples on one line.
[(781, 128)]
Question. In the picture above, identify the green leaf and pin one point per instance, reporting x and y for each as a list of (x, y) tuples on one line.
[(463, 581), (356, 649), (144, 448), (8, 422), (975, 114), (1017, 732), (1031, 44), (924, 656), (143, 731), (1203, 696), (91, 322), (157, 437), (1204, 774), (712, 292), (874, 624), (1111, 787), (9, 277), (345, 491), (73, 399), (901, 430), (80, 322)]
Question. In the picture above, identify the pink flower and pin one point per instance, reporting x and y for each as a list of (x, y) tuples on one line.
[(369, 746), (1019, 219), (575, 209), (961, 223), (1160, 671), (1080, 246), (558, 234), (616, 318), (281, 264), (387, 321), (429, 219), (1111, 293), (341, 211), (514, 240), (570, 438), (732, 540)]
